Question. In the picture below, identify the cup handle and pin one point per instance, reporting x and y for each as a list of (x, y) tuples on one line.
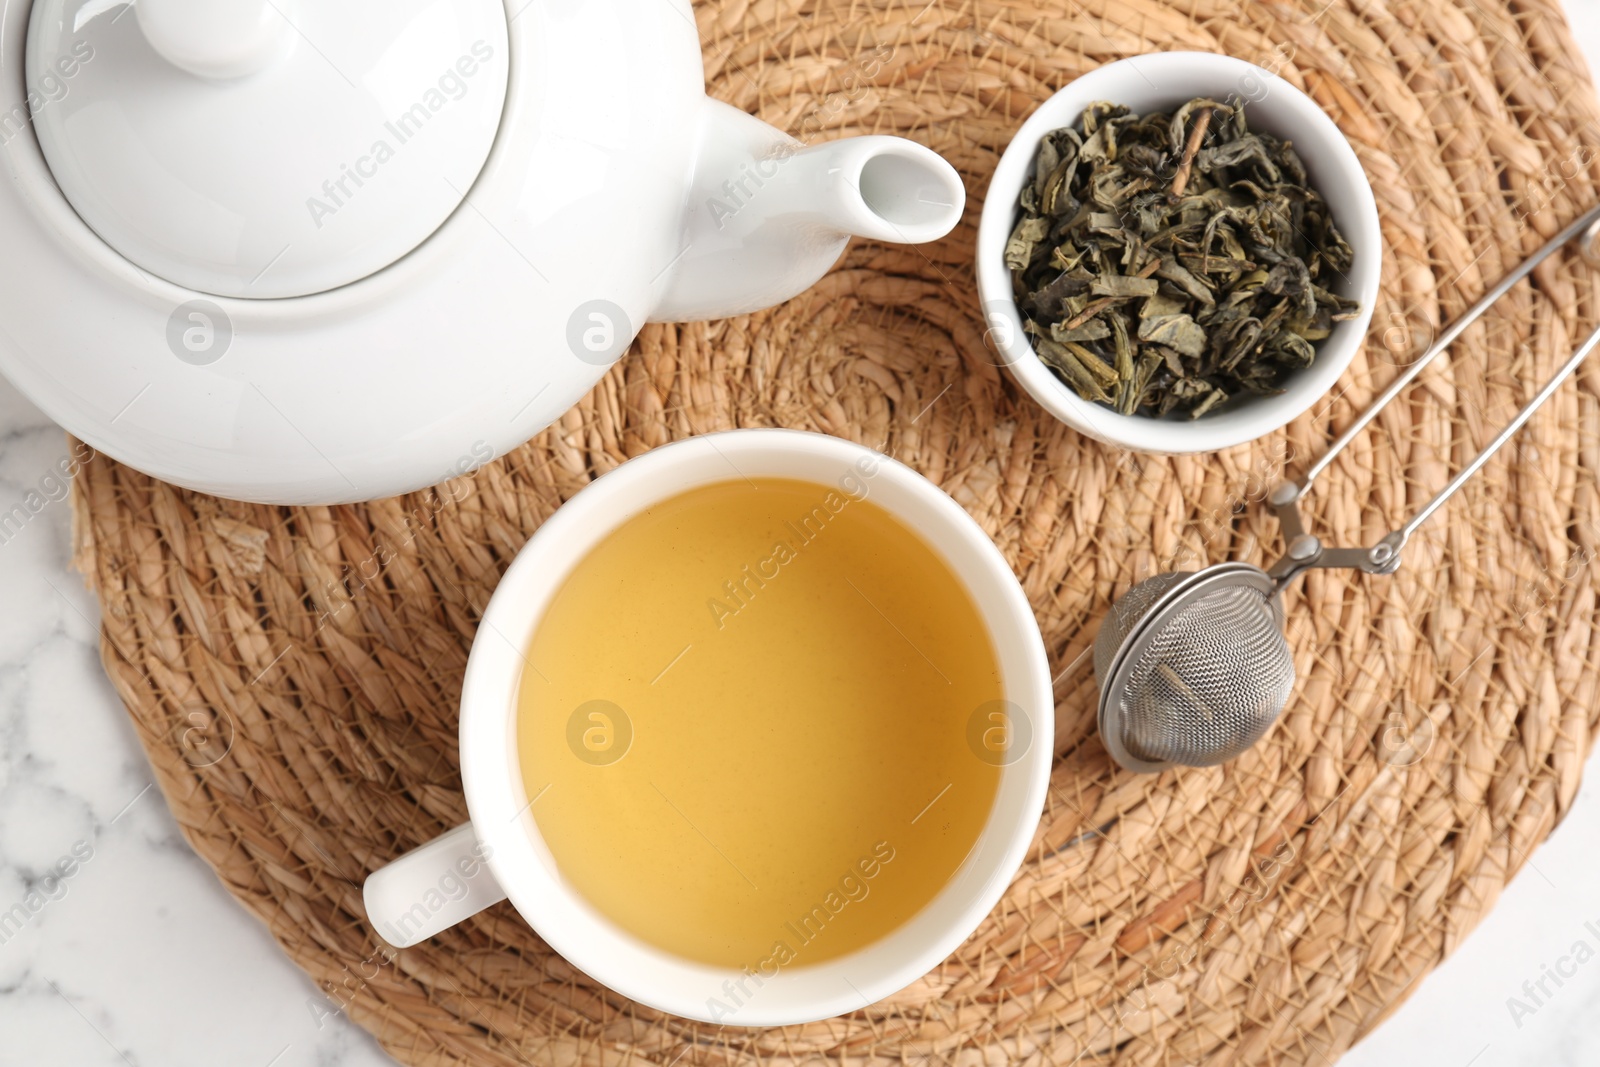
[(431, 888)]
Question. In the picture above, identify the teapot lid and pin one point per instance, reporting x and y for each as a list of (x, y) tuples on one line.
[(266, 148)]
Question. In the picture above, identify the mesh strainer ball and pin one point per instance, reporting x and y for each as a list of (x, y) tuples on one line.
[(1193, 667)]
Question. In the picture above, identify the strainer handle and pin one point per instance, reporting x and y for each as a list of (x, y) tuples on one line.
[(1589, 219), (1305, 551), (1505, 435)]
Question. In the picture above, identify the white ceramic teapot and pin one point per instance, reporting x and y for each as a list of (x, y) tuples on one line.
[(314, 251)]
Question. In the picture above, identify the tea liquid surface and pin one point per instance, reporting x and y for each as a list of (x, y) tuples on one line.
[(745, 723)]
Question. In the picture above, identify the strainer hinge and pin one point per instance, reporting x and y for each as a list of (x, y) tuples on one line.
[(1305, 550)]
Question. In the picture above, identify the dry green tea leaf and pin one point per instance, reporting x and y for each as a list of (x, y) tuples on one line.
[(1093, 330), (1025, 240), (1121, 285), (1178, 332), (1168, 263), (1060, 359)]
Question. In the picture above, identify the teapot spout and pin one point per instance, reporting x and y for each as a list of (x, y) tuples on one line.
[(767, 216)]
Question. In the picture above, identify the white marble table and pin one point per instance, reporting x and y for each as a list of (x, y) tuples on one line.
[(143, 959)]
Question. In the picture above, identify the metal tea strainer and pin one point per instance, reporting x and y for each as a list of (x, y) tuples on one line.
[(1193, 667)]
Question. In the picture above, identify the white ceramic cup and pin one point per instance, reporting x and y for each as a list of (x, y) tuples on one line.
[(500, 854), (1161, 82)]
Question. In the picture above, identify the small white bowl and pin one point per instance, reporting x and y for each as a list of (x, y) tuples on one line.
[(1161, 82)]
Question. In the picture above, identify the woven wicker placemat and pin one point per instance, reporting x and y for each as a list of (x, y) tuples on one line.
[(294, 672)]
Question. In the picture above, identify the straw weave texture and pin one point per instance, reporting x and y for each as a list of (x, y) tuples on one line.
[(1268, 912)]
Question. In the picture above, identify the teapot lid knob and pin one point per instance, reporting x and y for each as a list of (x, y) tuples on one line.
[(215, 38)]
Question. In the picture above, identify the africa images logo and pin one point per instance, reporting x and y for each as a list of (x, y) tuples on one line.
[(451, 85), (853, 887), (739, 592)]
